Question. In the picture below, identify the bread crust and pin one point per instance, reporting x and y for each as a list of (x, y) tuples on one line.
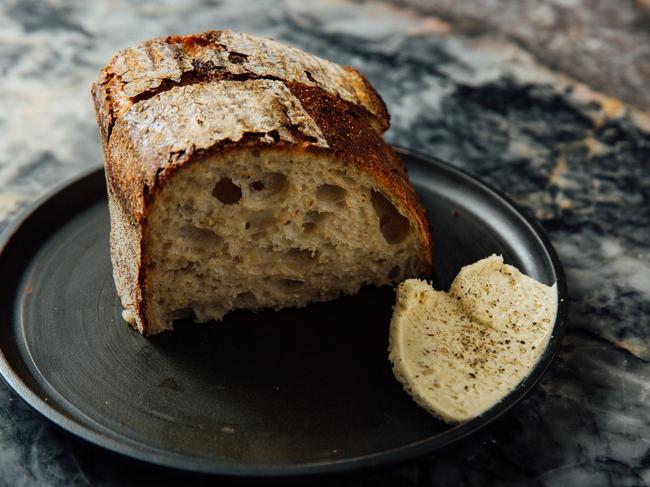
[(158, 64), (154, 118)]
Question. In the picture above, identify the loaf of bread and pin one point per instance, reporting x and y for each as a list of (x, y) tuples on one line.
[(459, 353), (243, 173)]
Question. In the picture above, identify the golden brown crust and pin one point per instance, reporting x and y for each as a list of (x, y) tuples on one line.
[(126, 243), (158, 64), (152, 123)]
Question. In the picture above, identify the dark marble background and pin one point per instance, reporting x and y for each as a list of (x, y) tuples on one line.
[(576, 158)]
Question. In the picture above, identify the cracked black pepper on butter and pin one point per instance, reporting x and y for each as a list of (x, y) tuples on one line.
[(458, 353)]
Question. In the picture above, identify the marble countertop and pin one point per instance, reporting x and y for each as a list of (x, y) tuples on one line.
[(575, 158)]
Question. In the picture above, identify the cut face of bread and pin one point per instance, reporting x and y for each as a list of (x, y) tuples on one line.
[(460, 353), (242, 173), (270, 229)]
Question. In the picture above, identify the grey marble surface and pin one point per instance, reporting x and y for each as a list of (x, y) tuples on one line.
[(576, 159), (602, 43)]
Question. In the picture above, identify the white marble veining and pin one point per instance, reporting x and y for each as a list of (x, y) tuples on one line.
[(578, 161)]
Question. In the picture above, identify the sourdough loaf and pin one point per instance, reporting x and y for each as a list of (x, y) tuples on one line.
[(243, 173), (459, 353)]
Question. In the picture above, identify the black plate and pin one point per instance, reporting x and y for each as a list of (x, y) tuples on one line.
[(289, 393)]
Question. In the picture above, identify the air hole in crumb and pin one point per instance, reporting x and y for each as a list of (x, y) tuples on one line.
[(201, 236), (226, 191), (245, 299), (181, 266), (330, 192), (271, 184), (181, 314), (313, 219), (394, 273), (393, 226), (302, 256), (310, 77), (291, 283)]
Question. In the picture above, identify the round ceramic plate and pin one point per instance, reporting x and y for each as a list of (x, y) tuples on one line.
[(296, 392)]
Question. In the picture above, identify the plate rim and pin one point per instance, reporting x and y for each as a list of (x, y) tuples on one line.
[(419, 448)]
